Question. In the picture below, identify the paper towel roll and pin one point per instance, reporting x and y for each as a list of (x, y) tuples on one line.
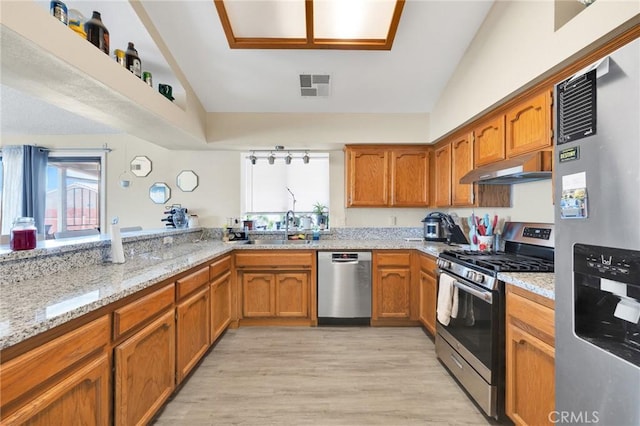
[(117, 251)]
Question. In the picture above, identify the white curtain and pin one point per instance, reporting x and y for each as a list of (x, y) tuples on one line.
[(12, 161)]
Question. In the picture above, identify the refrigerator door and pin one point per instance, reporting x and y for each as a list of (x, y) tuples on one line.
[(594, 385)]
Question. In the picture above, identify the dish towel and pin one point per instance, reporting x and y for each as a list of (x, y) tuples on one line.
[(447, 307)]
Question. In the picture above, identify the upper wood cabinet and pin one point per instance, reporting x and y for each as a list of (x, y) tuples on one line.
[(387, 175), (452, 159), (462, 194), (528, 125), (442, 176), (489, 141), (523, 128)]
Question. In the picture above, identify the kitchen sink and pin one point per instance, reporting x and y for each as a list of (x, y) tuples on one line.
[(278, 242)]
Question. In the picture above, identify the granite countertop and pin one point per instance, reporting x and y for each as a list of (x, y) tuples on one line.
[(36, 305), (542, 283)]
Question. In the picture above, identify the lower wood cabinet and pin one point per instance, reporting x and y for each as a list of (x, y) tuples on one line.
[(64, 381), (392, 289), (275, 295), (220, 305), (145, 371), (428, 292), (192, 331), (276, 287), (530, 358)]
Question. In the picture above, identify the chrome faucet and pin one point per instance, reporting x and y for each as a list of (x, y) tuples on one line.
[(286, 223)]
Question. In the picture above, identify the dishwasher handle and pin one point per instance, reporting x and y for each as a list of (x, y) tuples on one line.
[(344, 258)]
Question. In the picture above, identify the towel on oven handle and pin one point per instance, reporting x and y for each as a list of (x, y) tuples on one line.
[(447, 307)]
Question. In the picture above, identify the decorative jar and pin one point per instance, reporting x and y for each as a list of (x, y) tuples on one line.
[(23, 234)]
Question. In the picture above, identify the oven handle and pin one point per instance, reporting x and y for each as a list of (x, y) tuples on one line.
[(484, 295)]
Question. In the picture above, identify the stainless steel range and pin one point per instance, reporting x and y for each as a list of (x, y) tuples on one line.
[(470, 332)]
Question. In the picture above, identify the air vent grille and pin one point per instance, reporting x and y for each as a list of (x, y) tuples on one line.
[(576, 111), (315, 85)]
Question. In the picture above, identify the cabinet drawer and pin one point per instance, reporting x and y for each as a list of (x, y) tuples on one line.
[(428, 264), (135, 313), (534, 318), (22, 374), (192, 281), (394, 259), (275, 259), (219, 267)]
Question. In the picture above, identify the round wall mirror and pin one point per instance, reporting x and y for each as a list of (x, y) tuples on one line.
[(159, 193), (187, 180), (141, 166)]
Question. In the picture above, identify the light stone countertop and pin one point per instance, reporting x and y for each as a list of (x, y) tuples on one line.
[(34, 306), (542, 283)]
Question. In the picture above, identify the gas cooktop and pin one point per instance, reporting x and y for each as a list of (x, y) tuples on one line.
[(498, 261)]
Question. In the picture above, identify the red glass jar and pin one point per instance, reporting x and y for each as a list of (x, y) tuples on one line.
[(23, 234)]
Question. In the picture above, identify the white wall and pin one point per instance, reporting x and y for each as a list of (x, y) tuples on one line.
[(515, 46)]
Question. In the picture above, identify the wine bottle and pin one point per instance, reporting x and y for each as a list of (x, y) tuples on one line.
[(97, 33), (132, 61)]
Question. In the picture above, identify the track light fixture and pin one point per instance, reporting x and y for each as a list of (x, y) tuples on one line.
[(272, 155)]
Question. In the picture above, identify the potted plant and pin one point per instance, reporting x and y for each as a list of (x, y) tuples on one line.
[(322, 215)]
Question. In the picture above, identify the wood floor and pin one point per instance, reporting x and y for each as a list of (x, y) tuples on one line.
[(321, 376)]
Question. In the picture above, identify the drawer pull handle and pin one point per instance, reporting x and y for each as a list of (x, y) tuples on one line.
[(458, 363)]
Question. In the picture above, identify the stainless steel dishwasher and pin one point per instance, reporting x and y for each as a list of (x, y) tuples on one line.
[(344, 288)]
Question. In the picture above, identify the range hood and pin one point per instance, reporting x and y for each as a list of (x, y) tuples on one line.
[(525, 168)]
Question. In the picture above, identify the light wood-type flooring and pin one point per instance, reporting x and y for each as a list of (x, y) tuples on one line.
[(321, 376)]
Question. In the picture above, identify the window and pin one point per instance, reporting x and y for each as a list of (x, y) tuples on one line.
[(268, 188), (75, 193)]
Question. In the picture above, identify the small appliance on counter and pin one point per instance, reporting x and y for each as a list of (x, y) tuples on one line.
[(176, 217), (440, 227)]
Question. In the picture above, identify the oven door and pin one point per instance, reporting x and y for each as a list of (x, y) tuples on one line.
[(473, 333)]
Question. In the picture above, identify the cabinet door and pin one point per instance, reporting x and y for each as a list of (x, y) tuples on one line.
[(462, 194), (393, 293), (410, 178), (220, 305), (258, 295), (530, 381), (489, 141), (428, 296), (367, 177), (528, 125), (83, 398), (292, 294), (145, 371), (442, 164), (192, 331)]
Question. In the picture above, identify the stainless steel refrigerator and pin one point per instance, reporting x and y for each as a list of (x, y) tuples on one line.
[(597, 234)]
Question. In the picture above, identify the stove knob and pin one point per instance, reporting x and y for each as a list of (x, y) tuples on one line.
[(479, 278), (469, 275)]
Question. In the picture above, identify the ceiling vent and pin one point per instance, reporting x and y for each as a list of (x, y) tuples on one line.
[(314, 85)]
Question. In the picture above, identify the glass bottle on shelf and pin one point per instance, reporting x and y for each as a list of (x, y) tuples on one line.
[(59, 11), (132, 61), (23, 234), (97, 33)]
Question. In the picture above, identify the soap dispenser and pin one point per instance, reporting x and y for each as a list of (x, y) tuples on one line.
[(117, 251)]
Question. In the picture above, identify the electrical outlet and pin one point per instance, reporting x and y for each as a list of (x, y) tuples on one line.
[(167, 240)]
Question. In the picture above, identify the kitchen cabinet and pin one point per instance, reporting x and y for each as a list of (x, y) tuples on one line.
[(428, 292), (523, 128), (387, 175), (192, 320), (442, 176), (276, 288), (452, 159), (392, 291), (530, 357), (64, 381), (489, 141), (462, 163), (528, 125), (221, 296), (145, 363)]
